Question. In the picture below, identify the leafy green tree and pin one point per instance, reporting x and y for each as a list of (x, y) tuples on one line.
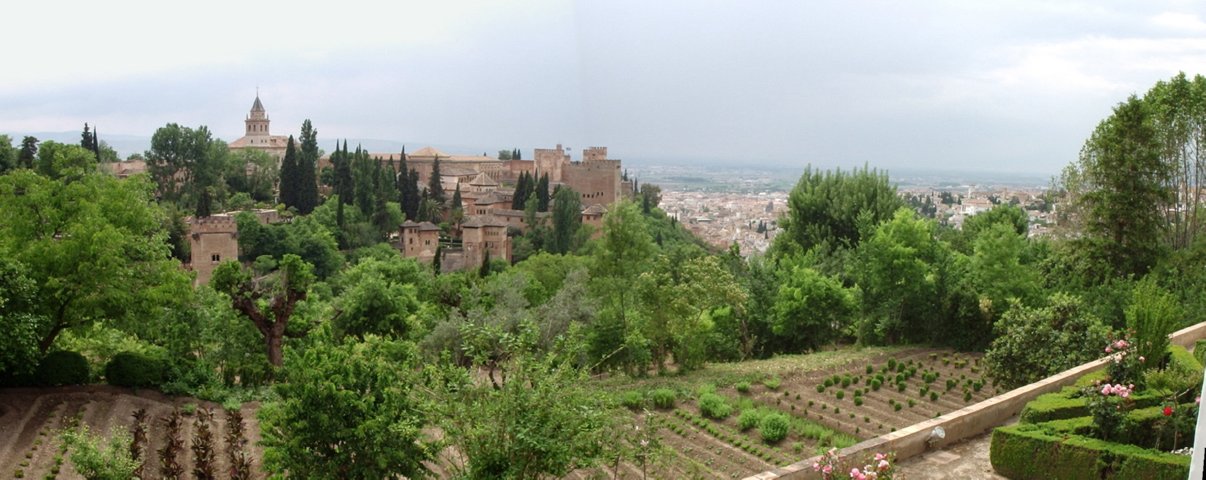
[(999, 269), (8, 154), (811, 309), (1118, 189), (267, 302), (1178, 117), (349, 411), (379, 298), (307, 169), (567, 220), (679, 294), (830, 208), (186, 165), (621, 256), (1033, 343), (898, 269), (253, 172), (65, 162), (19, 352), (651, 197), (95, 247), (541, 422)]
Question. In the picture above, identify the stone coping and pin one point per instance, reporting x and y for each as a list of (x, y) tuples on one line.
[(964, 423)]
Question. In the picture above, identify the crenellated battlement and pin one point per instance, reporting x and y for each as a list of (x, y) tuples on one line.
[(213, 224)]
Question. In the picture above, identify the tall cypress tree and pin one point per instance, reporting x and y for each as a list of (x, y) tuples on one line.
[(435, 187), (521, 192), (542, 193), (307, 165), (289, 175), (343, 175), (456, 198), (414, 198)]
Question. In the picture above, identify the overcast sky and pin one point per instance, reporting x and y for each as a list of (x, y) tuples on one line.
[(1005, 86)]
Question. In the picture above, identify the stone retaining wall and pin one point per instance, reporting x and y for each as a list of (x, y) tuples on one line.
[(964, 423)]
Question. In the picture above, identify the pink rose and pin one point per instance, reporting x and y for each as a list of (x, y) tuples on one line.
[(816, 467), (883, 465), (1141, 359), (880, 457), (1106, 390), (1109, 350), (827, 469)]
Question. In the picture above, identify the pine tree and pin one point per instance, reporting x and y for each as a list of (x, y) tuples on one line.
[(307, 165), (87, 140), (542, 193), (289, 175), (435, 187), (29, 150)]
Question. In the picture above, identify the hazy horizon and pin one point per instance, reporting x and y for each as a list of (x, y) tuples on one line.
[(1012, 87)]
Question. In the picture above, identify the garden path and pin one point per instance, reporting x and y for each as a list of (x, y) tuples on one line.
[(964, 460)]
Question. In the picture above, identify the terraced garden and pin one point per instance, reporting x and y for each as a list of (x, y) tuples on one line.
[(727, 421)]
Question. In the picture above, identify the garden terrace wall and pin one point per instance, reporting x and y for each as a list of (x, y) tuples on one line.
[(966, 422)]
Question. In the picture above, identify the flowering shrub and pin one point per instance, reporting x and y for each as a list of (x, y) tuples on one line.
[(1108, 403), (879, 467), (1126, 365)]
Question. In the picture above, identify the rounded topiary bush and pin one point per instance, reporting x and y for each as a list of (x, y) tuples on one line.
[(135, 370), (773, 427), (62, 368), (714, 406), (663, 398)]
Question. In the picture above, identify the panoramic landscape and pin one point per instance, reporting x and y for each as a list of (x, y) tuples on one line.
[(605, 241)]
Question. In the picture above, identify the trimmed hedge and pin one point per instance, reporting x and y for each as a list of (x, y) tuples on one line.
[(1179, 356), (1199, 351), (62, 368), (135, 370), (1025, 451)]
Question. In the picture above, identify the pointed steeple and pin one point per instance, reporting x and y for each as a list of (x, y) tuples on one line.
[(257, 122)]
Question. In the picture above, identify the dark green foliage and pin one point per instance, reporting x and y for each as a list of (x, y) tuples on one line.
[(1025, 451), (348, 411), (435, 187), (135, 370), (290, 176), (1119, 180), (567, 220), (829, 208), (542, 193), (307, 169), (29, 151), (62, 368), (1033, 343)]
